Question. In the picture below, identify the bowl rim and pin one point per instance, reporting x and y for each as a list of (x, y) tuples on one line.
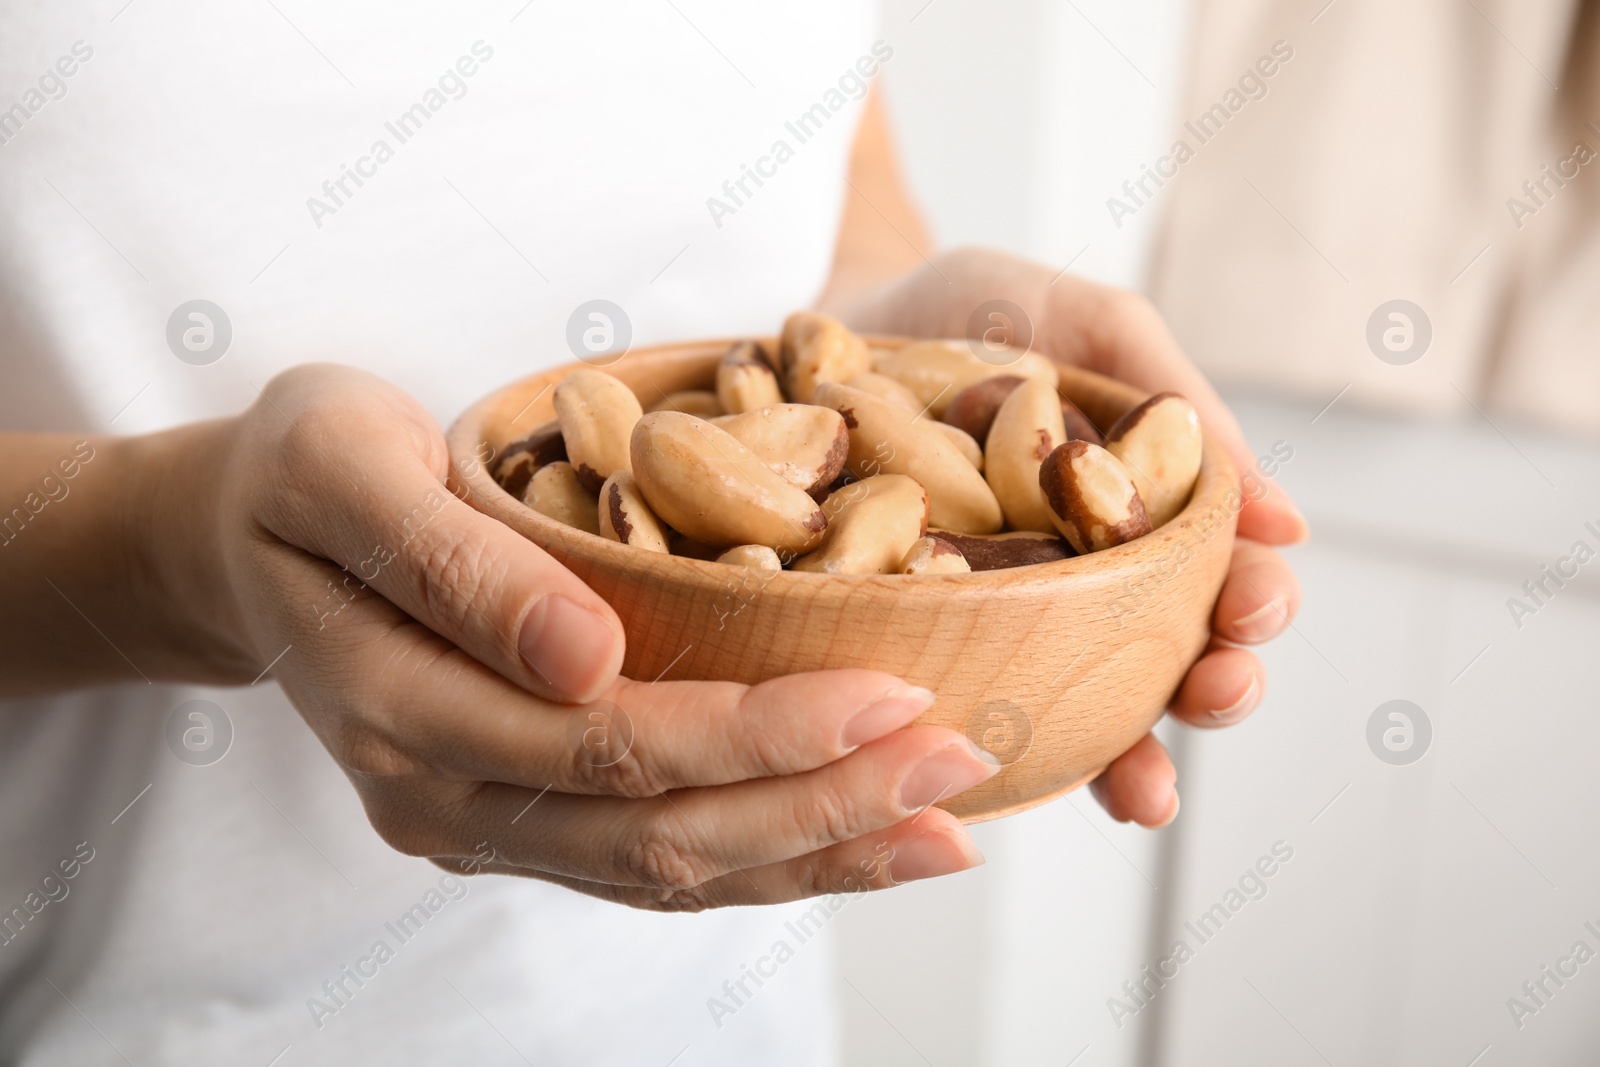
[(473, 483)]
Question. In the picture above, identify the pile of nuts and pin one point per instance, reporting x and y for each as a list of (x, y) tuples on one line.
[(834, 457)]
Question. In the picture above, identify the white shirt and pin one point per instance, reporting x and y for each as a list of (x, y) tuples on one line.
[(553, 154)]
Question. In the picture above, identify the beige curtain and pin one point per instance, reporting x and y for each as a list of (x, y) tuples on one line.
[(1441, 152)]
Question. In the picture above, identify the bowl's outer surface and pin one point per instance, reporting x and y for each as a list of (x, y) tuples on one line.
[(1056, 668)]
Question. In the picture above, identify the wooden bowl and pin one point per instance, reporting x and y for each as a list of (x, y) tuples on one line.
[(1056, 668)]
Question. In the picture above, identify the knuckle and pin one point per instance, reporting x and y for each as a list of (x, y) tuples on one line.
[(360, 738), (405, 834), (414, 818), (831, 815), (829, 876), (451, 570), (659, 856), (630, 777), (763, 751), (360, 751), (675, 901), (309, 439)]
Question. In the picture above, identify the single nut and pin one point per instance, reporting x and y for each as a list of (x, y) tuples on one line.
[(973, 409), (881, 385), (556, 490), (1160, 443), (1092, 497), (702, 482), (1026, 429), (992, 552), (963, 442), (929, 555), (804, 444), (937, 370), (700, 402), (871, 525), (756, 557), (596, 413), (816, 348), (624, 515), (522, 457), (1079, 428), (885, 439), (746, 380)]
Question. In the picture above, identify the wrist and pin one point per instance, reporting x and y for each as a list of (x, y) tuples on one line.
[(174, 510)]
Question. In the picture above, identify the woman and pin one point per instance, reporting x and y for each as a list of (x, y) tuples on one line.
[(228, 894)]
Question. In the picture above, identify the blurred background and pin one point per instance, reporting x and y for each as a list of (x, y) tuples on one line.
[(1430, 876)]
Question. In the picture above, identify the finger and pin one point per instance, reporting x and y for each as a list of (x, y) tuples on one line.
[(1139, 786), (1259, 597), (445, 713), (683, 839), (1222, 688), (929, 845), (365, 473), (640, 739)]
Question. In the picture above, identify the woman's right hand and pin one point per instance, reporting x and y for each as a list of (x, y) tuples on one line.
[(457, 673)]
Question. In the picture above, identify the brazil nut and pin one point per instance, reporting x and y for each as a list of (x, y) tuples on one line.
[(816, 348), (886, 439), (1092, 497), (991, 552), (526, 455), (938, 370), (929, 555), (746, 380), (596, 413), (1159, 442), (756, 557), (624, 516), (556, 491), (804, 444), (871, 525), (1025, 430), (703, 483)]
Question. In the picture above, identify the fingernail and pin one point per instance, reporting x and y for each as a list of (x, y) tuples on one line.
[(567, 645), (1265, 622), (1171, 814), (889, 712), (946, 773), (932, 855), (1241, 707)]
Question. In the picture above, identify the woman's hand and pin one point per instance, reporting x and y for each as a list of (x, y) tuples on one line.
[(1119, 334), (467, 683)]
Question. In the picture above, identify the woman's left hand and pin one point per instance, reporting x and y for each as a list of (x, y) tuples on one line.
[(1119, 334)]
